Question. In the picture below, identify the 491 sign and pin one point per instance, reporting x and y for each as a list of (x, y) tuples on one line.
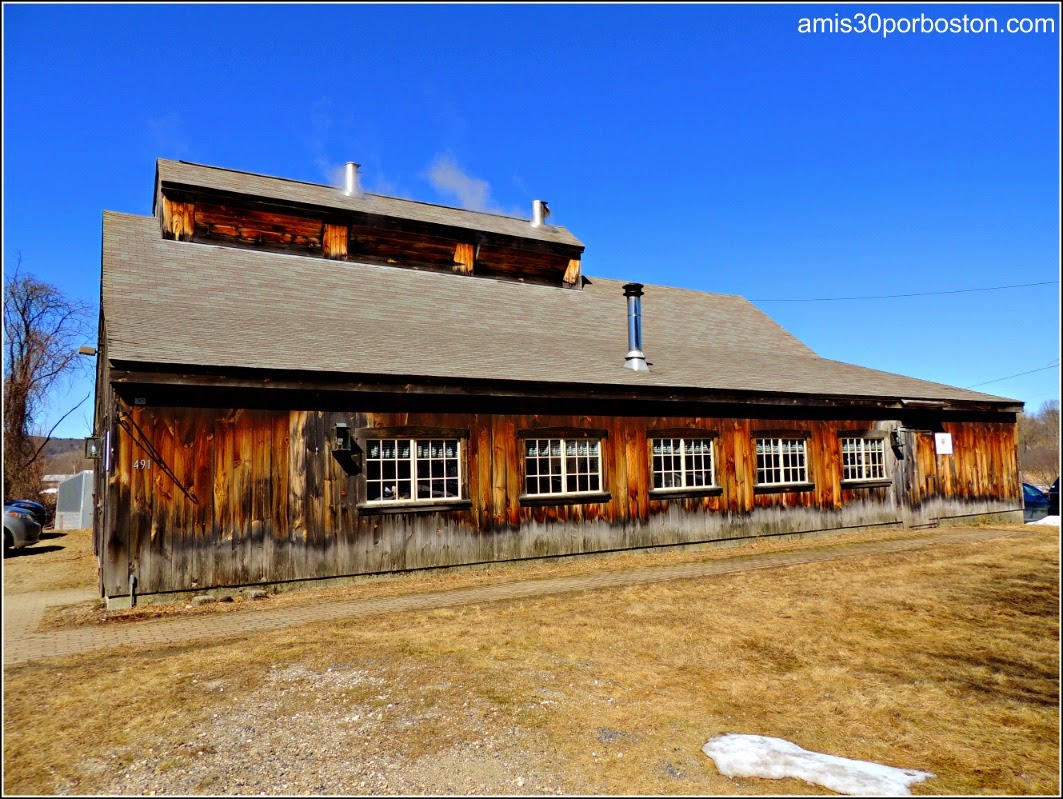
[(141, 464)]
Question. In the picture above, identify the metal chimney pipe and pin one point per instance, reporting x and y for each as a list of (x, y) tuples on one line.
[(540, 210), (634, 359), (351, 188)]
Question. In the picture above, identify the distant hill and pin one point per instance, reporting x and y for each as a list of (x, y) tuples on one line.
[(64, 455), (61, 446)]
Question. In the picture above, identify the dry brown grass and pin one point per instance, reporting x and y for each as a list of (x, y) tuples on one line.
[(943, 659), (61, 560), (93, 612)]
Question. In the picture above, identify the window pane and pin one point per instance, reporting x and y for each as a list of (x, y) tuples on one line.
[(685, 463), (781, 461), (863, 459), (398, 469), (876, 463), (424, 489), (560, 466)]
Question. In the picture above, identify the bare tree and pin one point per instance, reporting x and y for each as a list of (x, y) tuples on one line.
[(1039, 444), (42, 330)]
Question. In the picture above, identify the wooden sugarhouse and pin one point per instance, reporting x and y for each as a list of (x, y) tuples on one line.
[(299, 382)]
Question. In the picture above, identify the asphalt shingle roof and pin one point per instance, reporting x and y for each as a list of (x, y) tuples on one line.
[(168, 302), (182, 173)]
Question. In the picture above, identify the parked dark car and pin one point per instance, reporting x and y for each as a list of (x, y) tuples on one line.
[(1053, 498), (20, 528), (1034, 503), (40, 513)]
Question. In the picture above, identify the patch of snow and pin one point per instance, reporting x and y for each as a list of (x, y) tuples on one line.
[(1052, 520), (738, 755)]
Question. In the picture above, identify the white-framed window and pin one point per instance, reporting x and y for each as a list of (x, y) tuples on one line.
[(562, 466), (863, 458), (682, 463), (413, 470), (781, 461)]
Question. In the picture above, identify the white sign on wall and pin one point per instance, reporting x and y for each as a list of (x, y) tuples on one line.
[(943, 443)]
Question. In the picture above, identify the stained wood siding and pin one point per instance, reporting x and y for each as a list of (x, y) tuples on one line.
[(373, 245), (464, 258), (218, 222), (178, 220), (334, 242), (208, 497), (572, 273), (204, 216), (513, 264)]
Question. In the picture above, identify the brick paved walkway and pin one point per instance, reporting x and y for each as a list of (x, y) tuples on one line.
[(22, 612)]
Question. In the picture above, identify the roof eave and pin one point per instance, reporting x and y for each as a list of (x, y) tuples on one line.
[(132, 373)]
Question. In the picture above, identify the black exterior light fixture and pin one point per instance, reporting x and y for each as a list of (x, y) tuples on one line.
[(347, 454), (93, 449), (897, 441), (341, 438)]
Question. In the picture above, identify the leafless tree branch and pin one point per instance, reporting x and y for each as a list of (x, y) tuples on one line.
[(43, 328)]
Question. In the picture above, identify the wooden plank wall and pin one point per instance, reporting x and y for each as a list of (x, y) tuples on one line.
[(232, 221), (214, 221), (399, 248), (234, 497), (513, 264), (334, 242), (178, 220)]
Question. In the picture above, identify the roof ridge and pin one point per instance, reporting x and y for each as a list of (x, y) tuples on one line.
[(364, 193), (670, 288)]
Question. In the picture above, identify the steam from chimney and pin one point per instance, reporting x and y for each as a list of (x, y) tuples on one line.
[(634, 359), (351, 187)]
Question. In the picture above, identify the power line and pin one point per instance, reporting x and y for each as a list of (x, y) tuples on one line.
[(1020, 374), (915, 294)]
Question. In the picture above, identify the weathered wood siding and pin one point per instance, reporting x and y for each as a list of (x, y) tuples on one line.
[(399, 248), (513, 264), (334, 242), (205, 497), (251, 226), (178, 220), (222, 219)]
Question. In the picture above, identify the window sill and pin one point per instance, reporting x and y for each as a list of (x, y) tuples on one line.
[(785, 488), (564, 499), (391, 508), (685, 493), (877, 483)]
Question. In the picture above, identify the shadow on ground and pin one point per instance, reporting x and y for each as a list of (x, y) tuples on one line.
[(27, 552)]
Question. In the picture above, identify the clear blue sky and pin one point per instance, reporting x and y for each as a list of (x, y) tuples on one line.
[(709, 147)]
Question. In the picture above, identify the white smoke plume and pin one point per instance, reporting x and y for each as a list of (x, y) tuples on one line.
[(450, 179)]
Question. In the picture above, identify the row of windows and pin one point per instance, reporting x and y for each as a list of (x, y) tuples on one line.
[(414, 470)]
